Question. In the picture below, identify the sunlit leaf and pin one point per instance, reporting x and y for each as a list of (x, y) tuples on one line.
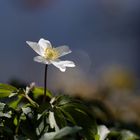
[(15, 102), (128, 135), (6, 90), (13, 94), (52, 121), (7, 114), (61, 133), (38, 91), (2, 105), (26, 110), (15, 121), (97, 137), (4, 112)]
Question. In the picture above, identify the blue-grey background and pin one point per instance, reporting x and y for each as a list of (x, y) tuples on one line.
[(101, 33)]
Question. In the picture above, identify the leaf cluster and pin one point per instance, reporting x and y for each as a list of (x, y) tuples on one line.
[(24, 116)]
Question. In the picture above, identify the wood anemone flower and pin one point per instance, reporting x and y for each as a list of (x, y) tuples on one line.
[(51, 55)]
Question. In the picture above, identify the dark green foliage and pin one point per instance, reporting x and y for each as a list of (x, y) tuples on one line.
[(23, 118), (76, 113)]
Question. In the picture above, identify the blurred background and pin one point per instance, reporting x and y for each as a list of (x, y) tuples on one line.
[(104, 36)]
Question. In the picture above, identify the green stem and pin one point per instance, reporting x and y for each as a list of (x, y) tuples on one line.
[(31, 101), (45, 83)]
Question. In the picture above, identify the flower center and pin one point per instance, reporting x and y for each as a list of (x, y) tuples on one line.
[(51, 54)]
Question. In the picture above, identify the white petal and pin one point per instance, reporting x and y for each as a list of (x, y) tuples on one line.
[(67, 63), (63, 64), (35, 47), (44, 44), (41, 59), (103, 132), (63, 50), (59, 65)]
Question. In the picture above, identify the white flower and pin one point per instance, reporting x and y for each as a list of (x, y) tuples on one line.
[(50, 55), (103, 132)]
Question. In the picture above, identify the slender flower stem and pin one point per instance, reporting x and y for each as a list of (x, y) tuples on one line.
[(45, 83)]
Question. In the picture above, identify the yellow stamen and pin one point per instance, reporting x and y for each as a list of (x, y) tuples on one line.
[(51, 54)]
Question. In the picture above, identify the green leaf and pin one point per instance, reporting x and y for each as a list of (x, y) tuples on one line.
[(82, 119), (77, 113), (62, 100), (68, 116), (7, 114), (40, 128), (61, 133), (128, 135), (6, 130), (114, 135), (15, 121), (52, 121), (122, 135), (28, 129), (7, 87), (26, 110), (59, 117), (2, 105), (4, 112), (97, 137), (42, 124), (43, 107), (6, 90), (38, 91), (20, 138), (13, 94), (15, 102)]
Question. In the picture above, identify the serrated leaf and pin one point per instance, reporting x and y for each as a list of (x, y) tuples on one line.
[(62, 100), (68, 116), (59, 117), (82, 117)]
